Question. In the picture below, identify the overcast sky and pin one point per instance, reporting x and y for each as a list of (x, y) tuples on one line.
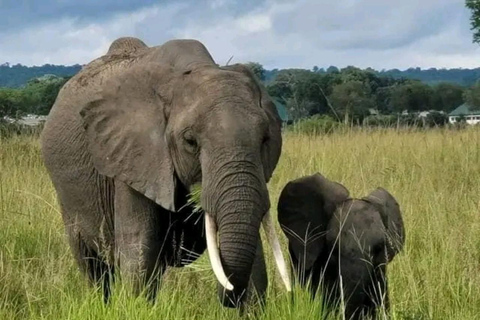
[(276, 33)]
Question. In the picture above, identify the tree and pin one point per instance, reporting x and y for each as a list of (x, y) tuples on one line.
[(11, 101), (436, 118), (257, 69), (352, 99), (447, 96), (472, 96), (332, 69), (304, 92), (474, 6), (293, 87), (40, 93), (382, 99), (37, 97), (411, 96)]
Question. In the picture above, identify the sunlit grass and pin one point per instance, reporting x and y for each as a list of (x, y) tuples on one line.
[(435, 176)]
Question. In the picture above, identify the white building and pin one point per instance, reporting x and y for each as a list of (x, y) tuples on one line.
[(470, 115), (28, 120)]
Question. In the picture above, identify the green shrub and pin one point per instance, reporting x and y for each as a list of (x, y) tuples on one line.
[(409, 120), (317, 124), (435, 119), (386, 121)]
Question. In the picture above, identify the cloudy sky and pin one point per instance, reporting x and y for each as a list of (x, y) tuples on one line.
[(277, 33)]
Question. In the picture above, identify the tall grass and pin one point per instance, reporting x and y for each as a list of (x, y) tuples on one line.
[(435, 176)]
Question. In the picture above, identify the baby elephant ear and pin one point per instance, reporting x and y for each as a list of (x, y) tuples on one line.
[(125, 131), (304, 209), (391, 215)]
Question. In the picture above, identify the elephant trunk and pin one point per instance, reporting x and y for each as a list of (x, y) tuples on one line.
[(239, 237), (235, 199)]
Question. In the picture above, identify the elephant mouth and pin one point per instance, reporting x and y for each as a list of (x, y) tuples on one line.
[(214, 253)]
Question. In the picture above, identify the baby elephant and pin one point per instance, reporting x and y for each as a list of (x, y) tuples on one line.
[(335, 239)]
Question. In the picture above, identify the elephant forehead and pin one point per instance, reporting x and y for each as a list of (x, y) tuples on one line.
[(224, 83), (357, 223)]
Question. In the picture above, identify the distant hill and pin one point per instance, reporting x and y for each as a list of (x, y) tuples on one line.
[(15, 76), (463, 77)]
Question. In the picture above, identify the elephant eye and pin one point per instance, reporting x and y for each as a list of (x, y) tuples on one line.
[(190, 139), (265, 139), (191, 142)]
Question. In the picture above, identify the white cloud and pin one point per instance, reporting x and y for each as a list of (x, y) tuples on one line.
[(300, 33), (254, 23), (216, 4), (67, 41)]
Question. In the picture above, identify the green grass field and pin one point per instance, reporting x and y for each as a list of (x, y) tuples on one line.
[(435, 176)]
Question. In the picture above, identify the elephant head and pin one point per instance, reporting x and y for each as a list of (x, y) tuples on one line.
[(332, 235), (173, 119)]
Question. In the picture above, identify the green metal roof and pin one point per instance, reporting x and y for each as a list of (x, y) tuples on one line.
[(465, 110), (282, 111)]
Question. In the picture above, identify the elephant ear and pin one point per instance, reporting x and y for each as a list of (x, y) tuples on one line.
[(391, 215), (305, 208), (125, 125), (273, 147)]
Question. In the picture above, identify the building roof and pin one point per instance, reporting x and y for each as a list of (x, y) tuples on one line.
[(282, 111), (465, 110)]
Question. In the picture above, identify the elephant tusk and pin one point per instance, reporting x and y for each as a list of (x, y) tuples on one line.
[(213, 252), (272, 238)]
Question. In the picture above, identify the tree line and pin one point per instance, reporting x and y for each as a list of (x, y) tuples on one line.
[(463, 77), (353, 93), (36, 97), (17, 75), (349, 93)]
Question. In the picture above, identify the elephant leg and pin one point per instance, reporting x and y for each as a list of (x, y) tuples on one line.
[(140, 237), (88, 230), (382, 297), (90, 263)]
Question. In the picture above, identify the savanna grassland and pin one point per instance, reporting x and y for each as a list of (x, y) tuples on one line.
[(434, 174)]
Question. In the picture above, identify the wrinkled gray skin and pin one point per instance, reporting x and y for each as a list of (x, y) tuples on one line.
[(354, 238), (127, 138)]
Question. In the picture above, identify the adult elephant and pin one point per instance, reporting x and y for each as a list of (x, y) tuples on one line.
[(132, 132), (340, 242)]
